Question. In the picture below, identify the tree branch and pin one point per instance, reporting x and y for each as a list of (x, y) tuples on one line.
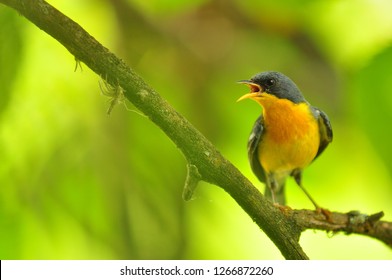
[(351, 222), (204, 160)]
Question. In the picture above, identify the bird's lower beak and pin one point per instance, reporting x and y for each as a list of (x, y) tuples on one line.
[(255, 90), (248, 95)]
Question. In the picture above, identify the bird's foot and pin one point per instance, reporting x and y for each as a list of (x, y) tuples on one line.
[(283, 208), (327, 214)]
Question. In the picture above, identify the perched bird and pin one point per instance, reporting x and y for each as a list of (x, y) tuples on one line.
[(287, 137)]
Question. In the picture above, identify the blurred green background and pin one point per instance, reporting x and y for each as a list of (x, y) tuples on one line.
[(77, 184)]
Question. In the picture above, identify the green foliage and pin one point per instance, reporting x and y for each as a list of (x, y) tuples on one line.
[(373, 110), (10, 52), (75, 183)]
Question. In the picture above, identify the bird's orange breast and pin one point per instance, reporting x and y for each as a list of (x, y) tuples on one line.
[(291, 138)]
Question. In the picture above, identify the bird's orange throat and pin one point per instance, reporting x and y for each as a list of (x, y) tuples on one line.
[(291, 138), (285, 120)]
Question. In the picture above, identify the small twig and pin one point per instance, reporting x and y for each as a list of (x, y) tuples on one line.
[(351, 222), (193, 177), (78, 64)]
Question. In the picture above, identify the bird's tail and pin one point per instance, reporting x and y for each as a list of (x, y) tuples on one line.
[(279, 193)]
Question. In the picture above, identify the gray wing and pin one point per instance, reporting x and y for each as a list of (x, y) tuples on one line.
[(325, 128), (253, 144)]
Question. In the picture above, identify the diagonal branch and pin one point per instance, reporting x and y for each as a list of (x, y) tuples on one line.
[(204, 160)]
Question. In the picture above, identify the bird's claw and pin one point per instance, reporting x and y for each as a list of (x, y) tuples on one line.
[(283, 208), (326, 213)]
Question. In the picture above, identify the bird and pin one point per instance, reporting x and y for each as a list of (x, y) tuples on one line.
[(289, 134)]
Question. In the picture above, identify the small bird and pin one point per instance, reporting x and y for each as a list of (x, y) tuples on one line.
[(287, 137)]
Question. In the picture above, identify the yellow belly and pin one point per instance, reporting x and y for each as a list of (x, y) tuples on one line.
[(291, 139)]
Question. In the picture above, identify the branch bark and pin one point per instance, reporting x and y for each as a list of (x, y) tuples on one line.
[(351, 222), (204, 160)]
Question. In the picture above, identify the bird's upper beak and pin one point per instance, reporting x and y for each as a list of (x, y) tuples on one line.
[(255, 90)]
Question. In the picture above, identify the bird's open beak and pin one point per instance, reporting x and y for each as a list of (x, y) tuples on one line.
[(255, 90)]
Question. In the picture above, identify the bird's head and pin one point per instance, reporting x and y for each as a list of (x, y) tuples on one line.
[(272, 84)]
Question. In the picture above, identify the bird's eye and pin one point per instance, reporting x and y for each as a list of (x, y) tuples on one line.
[(270, 82)]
